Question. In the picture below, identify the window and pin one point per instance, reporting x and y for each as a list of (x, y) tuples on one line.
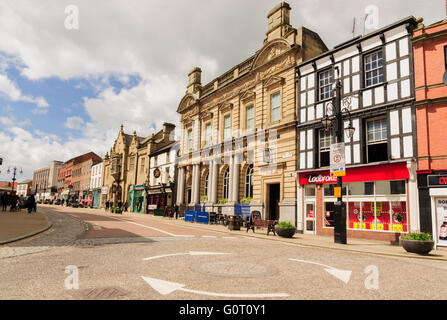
[(377, 140), (373, 68), (189, 142), (250, 118), (132, 164), (226, 183), (325, 142), (249, 182), (227, 127), (208, 134), (276, 107), (142, 165), (325, 80)]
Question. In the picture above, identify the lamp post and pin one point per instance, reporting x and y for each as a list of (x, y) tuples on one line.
[(14, 170), (334, 120)]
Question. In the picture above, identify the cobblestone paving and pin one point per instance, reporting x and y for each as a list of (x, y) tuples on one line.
[(65, 232)]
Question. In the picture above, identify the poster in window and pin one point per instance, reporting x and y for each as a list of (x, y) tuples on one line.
[(368, 213), (383, 216), (441, 216), (399, 216), (354, 218)]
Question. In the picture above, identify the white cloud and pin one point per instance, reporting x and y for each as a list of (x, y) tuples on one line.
[(74, 123)]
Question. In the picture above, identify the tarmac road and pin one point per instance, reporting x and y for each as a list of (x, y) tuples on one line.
[(95, 256)]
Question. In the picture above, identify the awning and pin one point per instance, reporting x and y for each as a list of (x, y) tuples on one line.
[(388, 171)]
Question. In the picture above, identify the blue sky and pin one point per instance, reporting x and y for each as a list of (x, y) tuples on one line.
[(65, 92)]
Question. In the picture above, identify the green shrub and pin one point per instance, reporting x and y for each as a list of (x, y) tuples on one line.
[(418, 236), (222, 201), (283, 224), (203, 198), (246, 200)]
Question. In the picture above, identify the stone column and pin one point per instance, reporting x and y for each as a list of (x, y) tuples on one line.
[(214, 180), (235, 184), (210, 181), (181, 186), (230, 182), (196, 184)]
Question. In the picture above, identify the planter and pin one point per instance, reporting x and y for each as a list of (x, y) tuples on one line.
[(285, 232), (416, 246)]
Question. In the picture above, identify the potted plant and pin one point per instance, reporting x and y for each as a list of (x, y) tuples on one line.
[(222, 201), (203, 198), (285, 229), (246, 200), (420, 243)]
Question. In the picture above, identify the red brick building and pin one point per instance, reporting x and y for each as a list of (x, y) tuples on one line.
[(430, 67)]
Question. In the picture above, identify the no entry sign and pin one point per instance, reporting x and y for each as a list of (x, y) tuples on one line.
[(337, 154)]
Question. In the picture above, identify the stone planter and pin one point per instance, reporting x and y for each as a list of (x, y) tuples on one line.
[(415, 246), (285, 232)]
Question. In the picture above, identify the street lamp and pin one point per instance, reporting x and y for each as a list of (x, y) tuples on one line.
[(14, 170), (334, 121)]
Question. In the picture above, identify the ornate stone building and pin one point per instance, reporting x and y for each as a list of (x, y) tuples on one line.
[(238, 141), (126, 169)]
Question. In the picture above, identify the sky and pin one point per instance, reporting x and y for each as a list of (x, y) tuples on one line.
[(66, 84)]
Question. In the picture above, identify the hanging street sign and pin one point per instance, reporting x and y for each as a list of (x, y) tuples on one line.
[(337, 156)]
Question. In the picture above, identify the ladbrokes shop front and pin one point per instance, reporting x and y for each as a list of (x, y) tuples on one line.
[(377, 199)]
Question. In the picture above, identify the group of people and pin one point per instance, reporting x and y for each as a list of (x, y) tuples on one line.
[(17, 203), (120, 205)]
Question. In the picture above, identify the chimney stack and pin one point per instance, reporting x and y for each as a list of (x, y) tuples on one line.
[(279, 21), (194, 81)]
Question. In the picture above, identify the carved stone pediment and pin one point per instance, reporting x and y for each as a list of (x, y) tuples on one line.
[(206, 115), (187, 101), (274, 80), (225, 106), (270, 51), (247, 95)]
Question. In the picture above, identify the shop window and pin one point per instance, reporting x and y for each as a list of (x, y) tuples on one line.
[(309, 191), (377, 140), (361, 188), (398, 187), (325, 80), (329, 190), (329, 215), (373, 68)]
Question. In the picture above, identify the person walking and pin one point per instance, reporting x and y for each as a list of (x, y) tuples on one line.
[(13, 202), (31, 203), (120, 205), (126, 205), (4, 201), (107, 205)]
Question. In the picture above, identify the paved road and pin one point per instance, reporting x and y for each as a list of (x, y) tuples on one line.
[(123, 257)]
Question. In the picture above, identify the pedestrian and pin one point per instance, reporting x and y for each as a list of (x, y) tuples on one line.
[(4, 201), (176, 211), (21, 202), (120, 205), (107, 205), (126, 205), (13, 202), (31, 203)]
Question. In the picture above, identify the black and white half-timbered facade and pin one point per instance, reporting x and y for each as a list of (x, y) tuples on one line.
[(380, 190)]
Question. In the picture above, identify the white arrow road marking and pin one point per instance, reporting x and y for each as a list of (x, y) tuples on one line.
[(166, 287), (159, 230), (343, 275), (191, 253)]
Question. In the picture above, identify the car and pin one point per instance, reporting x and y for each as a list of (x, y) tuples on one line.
[(86, 203)]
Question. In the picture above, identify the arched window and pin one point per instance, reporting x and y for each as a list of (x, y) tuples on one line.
[(249, 182), (226, 183), (207, 183)]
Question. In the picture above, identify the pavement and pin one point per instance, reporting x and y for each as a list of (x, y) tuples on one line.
[(15, 226)]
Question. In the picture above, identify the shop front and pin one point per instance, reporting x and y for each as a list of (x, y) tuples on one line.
[(158, 200), (136, 198), (437, 185), (96, 196), (376, 199)]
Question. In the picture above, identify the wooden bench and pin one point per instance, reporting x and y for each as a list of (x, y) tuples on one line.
[(257, 222)]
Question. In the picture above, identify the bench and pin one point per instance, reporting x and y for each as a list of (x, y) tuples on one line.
[(257, 222)]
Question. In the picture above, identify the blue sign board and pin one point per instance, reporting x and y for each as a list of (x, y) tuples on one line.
[(190, 216), (242, 210), (203, 217)]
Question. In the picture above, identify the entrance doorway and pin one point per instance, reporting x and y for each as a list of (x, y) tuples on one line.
[(273, 203), (309, 219)]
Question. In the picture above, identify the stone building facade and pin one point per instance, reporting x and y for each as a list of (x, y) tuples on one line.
[(126, 168), (238, 131)]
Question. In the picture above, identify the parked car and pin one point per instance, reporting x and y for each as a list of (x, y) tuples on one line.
[(85, 203)]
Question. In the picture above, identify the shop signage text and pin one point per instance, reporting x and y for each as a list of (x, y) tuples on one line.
[(321, 179), (437, 181)]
